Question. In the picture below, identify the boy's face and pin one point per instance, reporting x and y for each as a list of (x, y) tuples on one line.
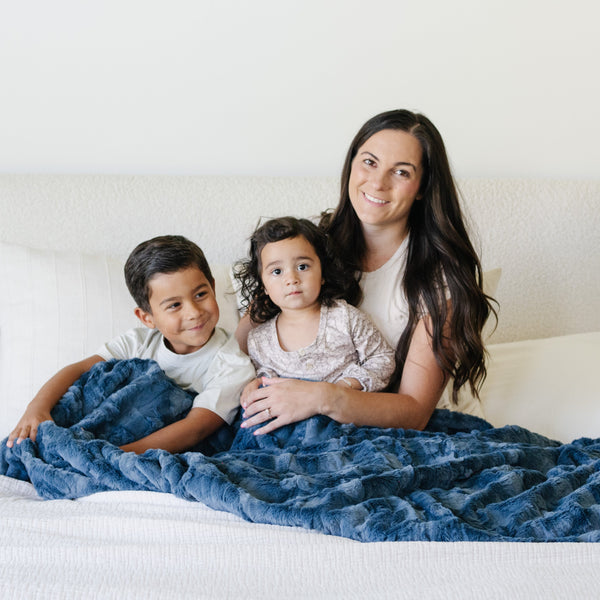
[(183, 308)]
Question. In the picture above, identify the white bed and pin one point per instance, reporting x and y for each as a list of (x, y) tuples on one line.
[(59, 303)]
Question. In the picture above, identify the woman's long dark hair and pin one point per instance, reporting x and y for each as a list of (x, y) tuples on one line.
[(440, 255), (338, 279)]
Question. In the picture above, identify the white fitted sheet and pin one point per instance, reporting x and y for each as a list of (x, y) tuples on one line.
[(150, 545)]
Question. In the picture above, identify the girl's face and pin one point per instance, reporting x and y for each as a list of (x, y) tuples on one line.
[(291, 274), (385, 178)]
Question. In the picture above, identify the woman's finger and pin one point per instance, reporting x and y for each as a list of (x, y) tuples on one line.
[(257, 413), (246, 397), (270, 426)]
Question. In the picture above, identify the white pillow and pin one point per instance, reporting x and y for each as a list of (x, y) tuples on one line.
[(57, 308), (547, 385)]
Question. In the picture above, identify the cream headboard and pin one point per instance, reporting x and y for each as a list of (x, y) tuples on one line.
[(544, 234)]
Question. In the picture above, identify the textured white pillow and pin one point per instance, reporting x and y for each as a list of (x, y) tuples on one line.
[(57, 308), (547, 385)]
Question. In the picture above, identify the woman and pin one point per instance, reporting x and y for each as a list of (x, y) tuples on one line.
[(400, 226)]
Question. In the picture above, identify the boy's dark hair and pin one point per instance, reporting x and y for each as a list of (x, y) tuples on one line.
[(338, 281), (163, 254)]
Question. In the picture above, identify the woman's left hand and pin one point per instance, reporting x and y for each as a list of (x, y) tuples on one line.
[(281, 402)]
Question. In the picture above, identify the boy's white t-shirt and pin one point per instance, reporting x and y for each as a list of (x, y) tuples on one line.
[(217, 372)]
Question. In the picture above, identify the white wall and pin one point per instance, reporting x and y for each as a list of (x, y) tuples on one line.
[(279, 87)]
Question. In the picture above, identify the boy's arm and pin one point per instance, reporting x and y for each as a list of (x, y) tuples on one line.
[(38, 410), (181, 435)]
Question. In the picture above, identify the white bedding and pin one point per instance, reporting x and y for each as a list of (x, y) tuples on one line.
[(61, 306), (150, 545), (548, 385)]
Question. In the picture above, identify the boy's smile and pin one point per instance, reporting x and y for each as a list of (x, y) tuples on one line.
[(183, 308)]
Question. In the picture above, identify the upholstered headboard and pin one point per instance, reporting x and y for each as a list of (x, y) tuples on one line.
[(544, 234)]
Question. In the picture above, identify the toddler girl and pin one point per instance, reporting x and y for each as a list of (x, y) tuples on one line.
[(292, 285)]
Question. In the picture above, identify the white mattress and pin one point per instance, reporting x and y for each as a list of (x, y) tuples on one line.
[(150, 545)]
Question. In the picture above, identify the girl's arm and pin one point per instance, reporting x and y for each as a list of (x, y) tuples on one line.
[(181, 435), (38, 410), (242, 330), (411, 407), (376, 358)]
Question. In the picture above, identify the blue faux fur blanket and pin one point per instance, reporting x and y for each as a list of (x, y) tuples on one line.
[(459, 480)]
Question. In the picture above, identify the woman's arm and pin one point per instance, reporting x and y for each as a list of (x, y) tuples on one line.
[(411, 407), (181, 435)]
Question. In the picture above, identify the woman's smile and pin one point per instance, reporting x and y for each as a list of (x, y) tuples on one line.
[(373, 200)]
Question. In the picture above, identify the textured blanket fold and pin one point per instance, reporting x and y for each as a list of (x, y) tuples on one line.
[(460, 480)]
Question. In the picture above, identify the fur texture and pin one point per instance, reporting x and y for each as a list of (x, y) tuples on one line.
[(460, 480)]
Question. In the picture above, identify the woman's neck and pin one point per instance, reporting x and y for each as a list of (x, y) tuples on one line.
[(381, 244)]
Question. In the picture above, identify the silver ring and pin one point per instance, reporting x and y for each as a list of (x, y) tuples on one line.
[(268, 411)]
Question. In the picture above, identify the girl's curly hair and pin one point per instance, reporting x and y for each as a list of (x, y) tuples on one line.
[(339, 281)]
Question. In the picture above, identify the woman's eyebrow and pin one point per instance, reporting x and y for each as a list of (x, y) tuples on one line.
[(399, 163)]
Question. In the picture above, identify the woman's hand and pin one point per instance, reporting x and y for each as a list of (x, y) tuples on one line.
[(247, 391), (28, 425), (280, 402)]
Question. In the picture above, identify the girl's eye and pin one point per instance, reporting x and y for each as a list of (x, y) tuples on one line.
[(276, 272), (302, 267)]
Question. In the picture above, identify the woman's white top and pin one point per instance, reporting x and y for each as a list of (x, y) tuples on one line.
[(385, 302), (384, 299)]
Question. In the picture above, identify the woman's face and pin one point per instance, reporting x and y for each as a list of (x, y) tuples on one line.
[(385, 177)]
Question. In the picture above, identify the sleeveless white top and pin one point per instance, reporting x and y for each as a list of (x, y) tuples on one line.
[(385, 302), (384, 299)]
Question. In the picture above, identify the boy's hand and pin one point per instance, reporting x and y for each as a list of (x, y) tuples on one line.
[(28, 425), (38, 410)]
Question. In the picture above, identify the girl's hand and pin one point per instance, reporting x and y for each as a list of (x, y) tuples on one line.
[(281, 402), (28, 425)]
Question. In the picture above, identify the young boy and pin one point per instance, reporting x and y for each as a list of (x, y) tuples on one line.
[(172, 285)]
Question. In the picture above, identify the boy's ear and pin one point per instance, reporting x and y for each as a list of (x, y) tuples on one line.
[(145, 317)]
